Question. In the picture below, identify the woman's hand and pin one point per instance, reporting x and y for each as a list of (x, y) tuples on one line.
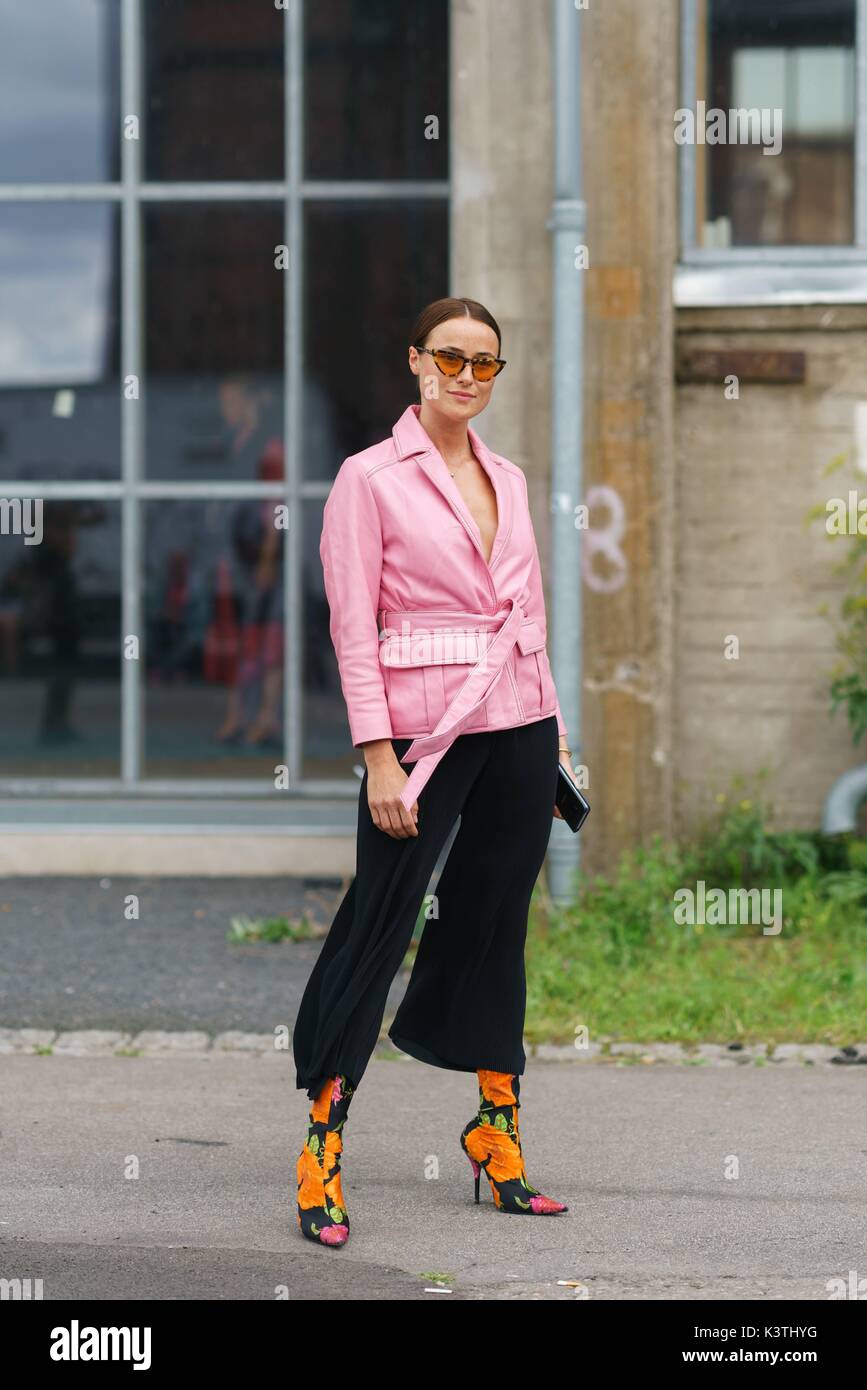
[(386, 780)]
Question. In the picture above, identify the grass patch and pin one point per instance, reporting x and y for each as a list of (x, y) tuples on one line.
[(617, 962), (244, 930)]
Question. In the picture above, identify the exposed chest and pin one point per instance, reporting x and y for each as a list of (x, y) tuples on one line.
[(480, 500)]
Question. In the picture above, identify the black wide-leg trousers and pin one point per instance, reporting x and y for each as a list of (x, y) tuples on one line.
[(465, 1003)]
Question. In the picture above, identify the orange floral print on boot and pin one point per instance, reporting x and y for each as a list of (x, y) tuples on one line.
[(492, 1142), (322, 1214)]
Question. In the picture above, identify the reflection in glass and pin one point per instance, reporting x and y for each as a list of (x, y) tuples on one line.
[(801, 60), (370, 268), (375, 72), (59, 341), (214, 649), (59, 91), (60, 644), (328, 750), (214, 89), (214, 347)]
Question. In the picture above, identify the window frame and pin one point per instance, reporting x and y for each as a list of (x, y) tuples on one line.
[(705, 277), (132, 192)]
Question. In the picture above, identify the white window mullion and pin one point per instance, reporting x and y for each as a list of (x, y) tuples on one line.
[(132, 411)]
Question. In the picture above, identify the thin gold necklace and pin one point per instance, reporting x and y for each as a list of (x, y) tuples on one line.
[(460, 465)]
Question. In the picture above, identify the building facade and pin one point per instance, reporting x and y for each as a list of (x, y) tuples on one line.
[(217, 223)]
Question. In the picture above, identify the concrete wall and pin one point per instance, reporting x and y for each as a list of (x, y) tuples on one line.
[(502, 137), (714, 491), (630, 87), (748, 564)]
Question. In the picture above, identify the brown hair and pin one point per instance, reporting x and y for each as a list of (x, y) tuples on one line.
[(442, 309)]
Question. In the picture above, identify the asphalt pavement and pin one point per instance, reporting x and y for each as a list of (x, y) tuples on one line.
[(149, 1178), (173, 1177), (72, 958)]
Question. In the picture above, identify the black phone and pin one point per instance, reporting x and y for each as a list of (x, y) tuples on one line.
[(570, 801)]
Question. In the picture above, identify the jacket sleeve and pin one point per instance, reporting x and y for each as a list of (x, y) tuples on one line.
[(536, 602), (351, 552)]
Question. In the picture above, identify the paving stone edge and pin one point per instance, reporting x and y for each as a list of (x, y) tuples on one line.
[(156, 1043)]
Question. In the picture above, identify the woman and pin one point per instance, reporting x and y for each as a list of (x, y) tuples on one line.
[(438, 623)]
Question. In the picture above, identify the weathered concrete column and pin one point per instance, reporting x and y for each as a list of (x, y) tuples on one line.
[(502, 153), (629, 95)]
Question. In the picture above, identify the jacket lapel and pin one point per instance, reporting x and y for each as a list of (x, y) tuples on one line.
[(411, 438)]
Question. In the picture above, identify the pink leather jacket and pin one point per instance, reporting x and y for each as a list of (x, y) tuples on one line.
[(432, 641)]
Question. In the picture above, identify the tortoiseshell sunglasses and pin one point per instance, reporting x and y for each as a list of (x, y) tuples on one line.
[(452, 363)]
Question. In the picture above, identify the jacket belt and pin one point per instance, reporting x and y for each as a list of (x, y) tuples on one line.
[(427, 750)]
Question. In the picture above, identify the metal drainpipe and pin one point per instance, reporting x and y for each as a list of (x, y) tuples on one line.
[(843, 801), (568, 223)]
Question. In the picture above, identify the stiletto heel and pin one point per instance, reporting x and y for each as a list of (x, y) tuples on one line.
[(477, 1173), (322, 1214), (492, 1142)]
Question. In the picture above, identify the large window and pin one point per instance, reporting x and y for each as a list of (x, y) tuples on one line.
[(773, 194), (218, 219)]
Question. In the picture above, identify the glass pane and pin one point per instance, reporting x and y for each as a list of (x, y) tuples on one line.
[(214, 651), (327, 746), (214, 341), (375, 74), (765, 58), (59, 91), (375, 266), (59, 341), (213, 89), (60, 642)]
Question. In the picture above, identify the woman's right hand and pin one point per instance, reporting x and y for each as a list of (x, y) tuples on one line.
[(386, 780)]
